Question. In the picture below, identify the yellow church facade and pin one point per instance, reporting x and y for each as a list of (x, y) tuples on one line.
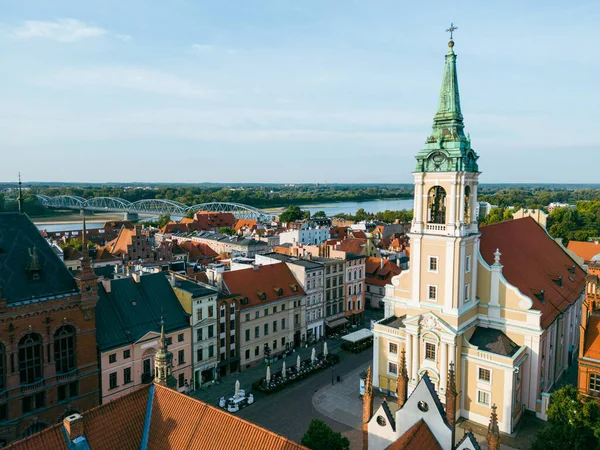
[(502, 302)]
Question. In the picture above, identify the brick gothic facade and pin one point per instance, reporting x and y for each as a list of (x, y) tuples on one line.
[(48, 359), (589, 347)]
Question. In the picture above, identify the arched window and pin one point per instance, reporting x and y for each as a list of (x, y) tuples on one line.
[(436, 203), (30, 358), (467, 204), (2, 367), (35, 428), (64, 349)]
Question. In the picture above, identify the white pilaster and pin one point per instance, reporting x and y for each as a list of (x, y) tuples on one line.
[(443, 366), (376, 361), (408, 343), (461, 202), (452, 218), (415, 358)]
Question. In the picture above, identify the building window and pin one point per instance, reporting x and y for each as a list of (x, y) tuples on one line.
[(181, 357), (257, 314), (283, 307), (2, 368), (64, 349), (430, 351), (200, 354), (595, 382), (126, 354), (266, 311), (283, 341), (256, 332), (274, 309), (66, 391), (112, 380), (30, 358), (283, 323), (247, 354), (393, 348), (181, 380), (211, 351), (222, 327), (33, 402), (392, 368), (256, 350), (484, 375), (266, 329), (468, 264), (112, 358), (127, 375), (274, 326), (211, 331), (483, 398), (199, 333), (247, 335), (432, 293), (467, 291), (433, 264), (210, 311), (180, 337), (247, 317), (169, 341), (199, 314)]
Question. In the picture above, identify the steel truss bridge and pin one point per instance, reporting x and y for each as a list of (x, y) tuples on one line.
[(151, 206)]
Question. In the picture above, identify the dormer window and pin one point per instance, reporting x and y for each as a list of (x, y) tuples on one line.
[(278, 291)]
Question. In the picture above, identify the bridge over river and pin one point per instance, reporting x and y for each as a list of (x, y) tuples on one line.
[(132, 210)]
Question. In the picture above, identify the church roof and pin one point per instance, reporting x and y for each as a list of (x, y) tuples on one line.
[(493, 341), (165, 419), (18, 236), (131, 309), (418, 437), (533, 262)]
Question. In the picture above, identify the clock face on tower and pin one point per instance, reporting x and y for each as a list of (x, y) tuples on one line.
[(436, 161)]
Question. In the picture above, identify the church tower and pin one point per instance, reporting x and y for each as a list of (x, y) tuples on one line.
[(163, 360), (436, 296)]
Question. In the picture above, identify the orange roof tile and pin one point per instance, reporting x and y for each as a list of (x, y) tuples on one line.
[(585, 250), (532, 261), (356, 246), (179, 421), (119, 245), (265, 280), (418, 437), (375, 275), (592, 338), (245, 223), (49, 439)]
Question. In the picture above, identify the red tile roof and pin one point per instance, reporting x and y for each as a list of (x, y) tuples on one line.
[(418, 437), (265, 280), (197, 250), (245, 223), (532, 262), (374, 274), (177, 421), (585, 250), (213, 221), (592, 338), (356, 246)]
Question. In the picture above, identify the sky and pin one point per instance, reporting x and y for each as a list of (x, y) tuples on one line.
[(292, 91)]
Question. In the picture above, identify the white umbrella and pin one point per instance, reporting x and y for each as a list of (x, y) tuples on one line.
[(313, 355), (268, 377), (237, 389), (283, 370), (325, 351), (298, 363)]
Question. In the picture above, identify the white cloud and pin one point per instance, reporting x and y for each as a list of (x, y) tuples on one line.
[(61, 30), (124, 37), (132, 78)]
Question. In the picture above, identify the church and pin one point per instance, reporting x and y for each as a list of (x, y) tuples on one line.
[(501, 304)]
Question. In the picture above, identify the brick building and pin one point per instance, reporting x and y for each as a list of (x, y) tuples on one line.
[(589, 338), (48, 361)]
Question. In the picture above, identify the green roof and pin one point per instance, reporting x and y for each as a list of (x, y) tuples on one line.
[(18, 237), (132, 309)]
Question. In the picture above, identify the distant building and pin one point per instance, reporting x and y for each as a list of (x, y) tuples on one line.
[(554, 205), (482, 209), (222, 243), (355, 287), (536, 214), (48, 362), (312, 236), (378, 273), (128, 320)]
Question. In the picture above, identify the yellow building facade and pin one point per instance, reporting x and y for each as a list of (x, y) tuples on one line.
[(504, 321)]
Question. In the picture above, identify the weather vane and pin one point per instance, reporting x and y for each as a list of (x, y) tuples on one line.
[(451, 30)]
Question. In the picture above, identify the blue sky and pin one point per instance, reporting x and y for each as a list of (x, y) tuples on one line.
[(292, 91)]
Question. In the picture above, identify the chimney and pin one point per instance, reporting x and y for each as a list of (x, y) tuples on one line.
[(106, 284), (74, 427), (381, 263), (136, 277)]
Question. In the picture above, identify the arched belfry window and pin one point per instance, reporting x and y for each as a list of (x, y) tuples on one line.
[(436, 205), (2, 367), (31, 362), (467, 204), (64, 349)]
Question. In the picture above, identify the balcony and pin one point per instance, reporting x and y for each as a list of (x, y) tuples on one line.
[(33, 386), (436, 228), (66, 376)]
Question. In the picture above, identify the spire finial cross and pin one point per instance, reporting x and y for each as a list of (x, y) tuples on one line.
[(452, 29)]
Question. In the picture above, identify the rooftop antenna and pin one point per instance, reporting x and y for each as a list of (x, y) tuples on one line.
[(20, 199)]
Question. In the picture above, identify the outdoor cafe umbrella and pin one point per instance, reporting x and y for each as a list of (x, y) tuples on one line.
[(313, 355), (283, 370), (237, 389), (298, 363), (268, 377), (325, 351)]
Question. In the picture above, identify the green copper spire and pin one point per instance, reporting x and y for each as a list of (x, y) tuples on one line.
[(447, 149)]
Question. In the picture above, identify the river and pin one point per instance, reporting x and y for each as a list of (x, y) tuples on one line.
[(331, 209)]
